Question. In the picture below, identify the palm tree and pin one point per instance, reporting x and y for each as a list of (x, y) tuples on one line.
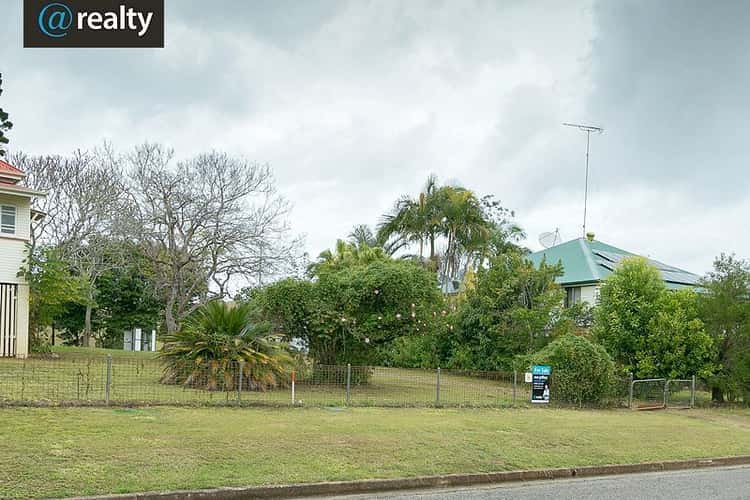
[(415, 220), (469, 228), (362, 236), (345, 255), (212, 343)]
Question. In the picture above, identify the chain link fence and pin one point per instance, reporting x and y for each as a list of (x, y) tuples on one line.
[(78, 379)]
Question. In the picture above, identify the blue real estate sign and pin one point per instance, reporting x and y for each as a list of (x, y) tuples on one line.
[(540, 383)]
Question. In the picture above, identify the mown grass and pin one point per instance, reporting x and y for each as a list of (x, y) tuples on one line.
[(64, 350), (74, 451)]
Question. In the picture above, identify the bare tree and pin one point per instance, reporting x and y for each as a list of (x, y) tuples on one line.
[(85, 191), (205, 223)]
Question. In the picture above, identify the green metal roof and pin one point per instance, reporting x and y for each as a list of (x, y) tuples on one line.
[(587, 261)]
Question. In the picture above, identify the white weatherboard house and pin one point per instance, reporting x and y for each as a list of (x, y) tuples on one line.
[(15, 227), (587, 262)]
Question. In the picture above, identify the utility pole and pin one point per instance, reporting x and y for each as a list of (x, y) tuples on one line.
[(588, 129)]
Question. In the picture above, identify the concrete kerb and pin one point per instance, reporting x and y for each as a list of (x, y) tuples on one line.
[(423, 482)]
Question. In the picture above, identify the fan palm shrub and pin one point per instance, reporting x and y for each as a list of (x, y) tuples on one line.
[(208, 349)]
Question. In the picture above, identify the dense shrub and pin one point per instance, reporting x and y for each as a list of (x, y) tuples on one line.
[(582, 372), (417, 351)]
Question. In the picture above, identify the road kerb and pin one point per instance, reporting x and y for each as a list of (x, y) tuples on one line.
[(423, 482)]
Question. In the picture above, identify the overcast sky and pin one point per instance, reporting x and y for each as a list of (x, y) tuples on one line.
[(354, 103)]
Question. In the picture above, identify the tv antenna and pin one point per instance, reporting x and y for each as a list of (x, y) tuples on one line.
[(550, 239), (588, 129)]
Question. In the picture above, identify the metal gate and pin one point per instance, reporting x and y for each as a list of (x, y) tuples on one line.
[(680, 393), (648, 394), (8, 319), (658, 393)]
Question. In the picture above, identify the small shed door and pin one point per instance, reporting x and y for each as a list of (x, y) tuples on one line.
[(7, 319)]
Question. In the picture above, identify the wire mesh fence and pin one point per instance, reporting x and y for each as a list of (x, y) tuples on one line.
[(135, 380)]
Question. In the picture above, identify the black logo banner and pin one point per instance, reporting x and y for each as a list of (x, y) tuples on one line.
[(93, 23)]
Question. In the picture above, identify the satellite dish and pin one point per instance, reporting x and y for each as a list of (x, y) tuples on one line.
[(550, 239)]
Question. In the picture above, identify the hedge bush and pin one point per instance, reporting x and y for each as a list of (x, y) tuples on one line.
[(582, 371)]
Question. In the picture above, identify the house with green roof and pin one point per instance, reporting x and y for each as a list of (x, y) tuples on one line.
[(587, 262)]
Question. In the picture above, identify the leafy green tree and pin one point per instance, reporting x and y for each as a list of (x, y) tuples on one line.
[(725, 309), (353, 309), (628, 301), (507, 313), (51, 288), (649, 330), (676, 345), (5, 124), (126, 299), (582, 371), (214, 339)]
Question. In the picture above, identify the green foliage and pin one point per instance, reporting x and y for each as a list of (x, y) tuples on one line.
[(725, 309), (471, 228), (582, 371), (126, 299), (51, 288), (417, 351), (346, 255), (629, 299), (649, 330), (507, 313), (351, 311), (5, 124), (676, 345), (214, 339)]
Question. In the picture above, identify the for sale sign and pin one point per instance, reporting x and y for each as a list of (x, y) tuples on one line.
[(540, 383)]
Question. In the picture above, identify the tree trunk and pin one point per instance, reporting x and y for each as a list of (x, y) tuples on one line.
[(169, 315), (87, 325)]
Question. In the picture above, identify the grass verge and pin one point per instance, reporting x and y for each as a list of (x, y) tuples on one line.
[(77, 451)]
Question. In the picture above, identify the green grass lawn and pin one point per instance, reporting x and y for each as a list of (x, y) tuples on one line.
[(69, 451)]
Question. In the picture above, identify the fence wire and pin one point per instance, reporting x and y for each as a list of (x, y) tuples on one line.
[(86, 380)]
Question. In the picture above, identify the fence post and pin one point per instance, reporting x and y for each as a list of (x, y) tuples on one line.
[(348, 383), (108, 386), (293, 377), (437, 393), (692, 392), (239, 382), (515, 384), (666, 393), (630, 391)]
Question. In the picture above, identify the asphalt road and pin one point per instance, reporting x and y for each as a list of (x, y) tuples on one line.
[(702, 484)]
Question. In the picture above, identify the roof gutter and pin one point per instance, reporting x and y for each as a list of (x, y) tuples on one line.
[(31, 193)]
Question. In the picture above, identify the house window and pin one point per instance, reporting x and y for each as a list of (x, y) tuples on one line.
[(572, 296), (8, 219)]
